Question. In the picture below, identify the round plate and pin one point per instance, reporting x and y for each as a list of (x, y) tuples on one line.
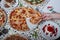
[(30, 25), (48, 36), (11, 6)]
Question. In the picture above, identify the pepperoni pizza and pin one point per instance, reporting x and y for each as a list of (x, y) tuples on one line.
[(2, 17), (18, 17)]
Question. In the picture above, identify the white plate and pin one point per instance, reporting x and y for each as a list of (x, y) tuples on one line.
[(47, 36), (10, 8)]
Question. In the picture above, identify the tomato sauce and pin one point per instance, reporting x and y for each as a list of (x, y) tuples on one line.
[(50, 29)]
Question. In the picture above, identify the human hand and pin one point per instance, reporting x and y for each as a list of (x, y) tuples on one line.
[(47, 16)]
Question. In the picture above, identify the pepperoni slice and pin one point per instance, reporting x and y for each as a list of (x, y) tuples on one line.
[(23, 11), (44, 28)]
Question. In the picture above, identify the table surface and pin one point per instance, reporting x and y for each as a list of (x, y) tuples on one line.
[(55, 4), (56, 7)]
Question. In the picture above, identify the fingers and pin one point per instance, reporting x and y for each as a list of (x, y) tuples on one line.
[(46, 16)]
